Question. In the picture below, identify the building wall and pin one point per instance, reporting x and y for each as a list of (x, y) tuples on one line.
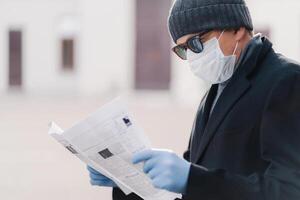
[(283, 20), (106, 50), (39, 20), (104, 45)]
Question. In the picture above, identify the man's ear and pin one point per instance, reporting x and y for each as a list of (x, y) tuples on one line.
[(240, 33)]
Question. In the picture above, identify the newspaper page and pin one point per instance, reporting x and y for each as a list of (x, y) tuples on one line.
[(57, 133), (106, 140)]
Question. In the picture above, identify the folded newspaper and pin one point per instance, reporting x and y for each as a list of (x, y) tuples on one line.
[(106, 141)]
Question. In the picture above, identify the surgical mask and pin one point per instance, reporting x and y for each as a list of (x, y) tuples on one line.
[(211, 65)]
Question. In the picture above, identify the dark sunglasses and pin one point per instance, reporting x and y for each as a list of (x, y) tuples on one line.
[(194, 44)]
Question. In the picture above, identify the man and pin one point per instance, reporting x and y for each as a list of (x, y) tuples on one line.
[(245, 139)]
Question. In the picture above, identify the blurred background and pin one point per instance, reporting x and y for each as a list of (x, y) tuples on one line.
[(62, 59)]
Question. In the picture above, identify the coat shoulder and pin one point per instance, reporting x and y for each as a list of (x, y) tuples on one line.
[(285, 65), (277, 67)]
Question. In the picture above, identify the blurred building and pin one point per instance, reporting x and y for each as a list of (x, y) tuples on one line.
[(94, 47)]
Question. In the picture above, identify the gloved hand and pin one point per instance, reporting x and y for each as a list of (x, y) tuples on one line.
[(165, 169), (99, 179)]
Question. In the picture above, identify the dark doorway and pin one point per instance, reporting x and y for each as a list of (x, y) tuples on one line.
[(153, 70), (15, 58), (67, 49)]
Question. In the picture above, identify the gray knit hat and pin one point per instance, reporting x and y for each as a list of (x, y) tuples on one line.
[(193, 16)]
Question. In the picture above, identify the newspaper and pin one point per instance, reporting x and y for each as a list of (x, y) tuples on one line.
[(106, 141), (56, 132)]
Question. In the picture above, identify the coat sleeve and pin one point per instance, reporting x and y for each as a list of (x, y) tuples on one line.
[(120, 195), (186, 155), (280, 148)]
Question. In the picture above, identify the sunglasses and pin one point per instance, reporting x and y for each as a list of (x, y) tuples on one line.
[(194, 44)]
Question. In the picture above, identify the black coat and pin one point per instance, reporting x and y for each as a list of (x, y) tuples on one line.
[(249, 148)]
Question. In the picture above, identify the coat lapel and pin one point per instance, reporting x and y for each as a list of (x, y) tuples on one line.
[(201, 120), (231, 94)]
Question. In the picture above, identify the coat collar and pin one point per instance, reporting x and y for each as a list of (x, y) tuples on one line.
[(238, 85)]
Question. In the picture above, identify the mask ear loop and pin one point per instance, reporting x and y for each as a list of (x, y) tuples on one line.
[(236, 46), (221, 35)]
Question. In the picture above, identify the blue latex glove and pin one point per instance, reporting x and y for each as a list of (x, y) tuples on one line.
[(99, 179), (165, 169)]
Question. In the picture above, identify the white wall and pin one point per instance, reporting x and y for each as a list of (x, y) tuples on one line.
[(106, 46), (3, 56), (283, 19), (38, 20)]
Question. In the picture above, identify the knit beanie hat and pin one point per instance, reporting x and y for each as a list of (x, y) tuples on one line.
[(193, 16)]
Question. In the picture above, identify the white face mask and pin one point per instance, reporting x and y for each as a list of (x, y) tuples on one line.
[(211, 64)]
